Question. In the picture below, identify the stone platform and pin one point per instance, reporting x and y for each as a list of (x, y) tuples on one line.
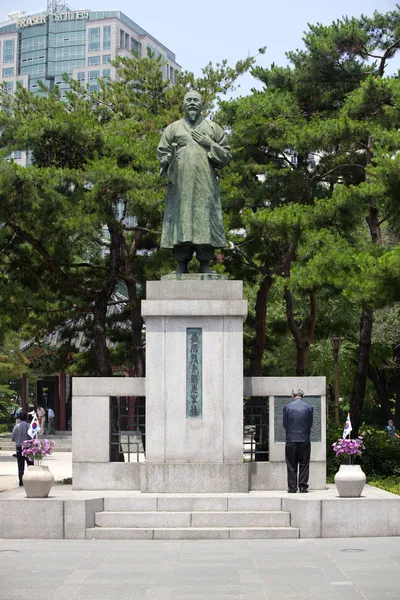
[(134, 515)]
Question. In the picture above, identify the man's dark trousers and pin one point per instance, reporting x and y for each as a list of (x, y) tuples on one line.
[(297, 457), (21, 464)]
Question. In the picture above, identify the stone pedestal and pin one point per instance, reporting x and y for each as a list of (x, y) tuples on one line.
[(194, 385)]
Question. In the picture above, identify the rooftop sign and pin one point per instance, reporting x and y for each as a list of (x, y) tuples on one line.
[(74, 15)]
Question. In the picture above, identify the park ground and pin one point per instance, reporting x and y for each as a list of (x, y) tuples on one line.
[(324, 569), (305, 569), (59, 463)]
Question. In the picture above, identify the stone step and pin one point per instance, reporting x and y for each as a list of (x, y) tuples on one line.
[(59, 447), (203, 502), (168, 519), (191, 533)]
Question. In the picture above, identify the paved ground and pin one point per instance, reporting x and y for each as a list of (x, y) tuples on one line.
[(329, 569), (60, 464), (323, 569)]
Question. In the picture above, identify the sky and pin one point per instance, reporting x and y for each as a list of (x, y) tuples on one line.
[(212, 30)]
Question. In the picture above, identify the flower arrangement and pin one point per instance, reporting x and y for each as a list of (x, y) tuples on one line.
[(37, 450), (348, 448)]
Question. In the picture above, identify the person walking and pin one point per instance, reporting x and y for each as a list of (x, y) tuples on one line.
[(20, 435), (41, 415), (51, 420), (297, 421)]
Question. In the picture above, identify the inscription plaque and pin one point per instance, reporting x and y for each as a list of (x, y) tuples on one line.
[(279, 403), (194, 371)]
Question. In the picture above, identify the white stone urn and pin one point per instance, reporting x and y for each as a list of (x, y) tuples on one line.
[(38, 481), (350, 481)]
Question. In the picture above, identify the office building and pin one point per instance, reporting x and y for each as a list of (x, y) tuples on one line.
[(81, 43)]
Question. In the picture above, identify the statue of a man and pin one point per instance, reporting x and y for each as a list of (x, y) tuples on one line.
[(189, 152)]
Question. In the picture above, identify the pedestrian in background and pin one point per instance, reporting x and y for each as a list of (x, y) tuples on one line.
[(52, 420), (391, 429), (20, 435), (297, 421), (41, 415)]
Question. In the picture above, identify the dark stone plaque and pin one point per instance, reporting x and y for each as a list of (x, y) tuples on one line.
[(194, 352), (279, 403)]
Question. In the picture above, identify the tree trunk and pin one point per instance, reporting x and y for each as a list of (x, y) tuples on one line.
[(367, 317), (302, 341), (128, 255), (258, 349), (103, 364), (301, 360), (397, 386), (358, 391), (379, 379), (138, 362)]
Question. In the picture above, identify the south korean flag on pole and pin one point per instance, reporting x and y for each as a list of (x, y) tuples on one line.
[(347, 427), (34, 428)]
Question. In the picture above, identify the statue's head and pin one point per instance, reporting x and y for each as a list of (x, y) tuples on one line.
[(192, 105)]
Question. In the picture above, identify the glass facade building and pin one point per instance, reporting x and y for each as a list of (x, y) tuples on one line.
[(41, 48)]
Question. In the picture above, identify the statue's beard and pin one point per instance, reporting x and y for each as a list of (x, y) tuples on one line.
[(192, 114)]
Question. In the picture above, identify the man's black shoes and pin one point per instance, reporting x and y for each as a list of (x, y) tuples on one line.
[(303, 491), (291, 491)]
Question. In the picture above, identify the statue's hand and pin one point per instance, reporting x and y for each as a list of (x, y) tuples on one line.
[(202, 138), (166, 159)]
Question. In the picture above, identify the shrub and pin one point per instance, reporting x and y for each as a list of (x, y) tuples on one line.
[(382, 452), (389, 484), (381, 457)]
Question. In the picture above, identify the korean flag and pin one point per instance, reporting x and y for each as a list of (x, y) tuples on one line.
[(347, 427), (34, 428)]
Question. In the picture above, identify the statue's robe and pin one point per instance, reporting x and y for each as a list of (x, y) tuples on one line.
[(193, 211)]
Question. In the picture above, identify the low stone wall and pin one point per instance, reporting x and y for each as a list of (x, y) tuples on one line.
[(320, 514), (254, 476), (273, 476), (92, 469)]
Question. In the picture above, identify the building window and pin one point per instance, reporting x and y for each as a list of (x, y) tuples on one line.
[(94, 39), (93, 75), (107, 37), (17, 154), (8, 72), (172, 74), (93, 88), (8, 51), (93, 60), (121, 38), (106, 59), (81, 76), (106, 73), (135, 45)]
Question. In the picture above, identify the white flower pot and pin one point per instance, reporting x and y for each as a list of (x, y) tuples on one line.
[(38, 481), (350, 481)]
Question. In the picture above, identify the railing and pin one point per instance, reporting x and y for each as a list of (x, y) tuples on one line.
[(256, 429), (127, 429)]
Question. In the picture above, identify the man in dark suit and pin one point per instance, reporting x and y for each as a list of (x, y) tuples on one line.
[(297, 421)]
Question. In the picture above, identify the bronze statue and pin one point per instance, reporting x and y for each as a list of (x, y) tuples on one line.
[(189, 152)]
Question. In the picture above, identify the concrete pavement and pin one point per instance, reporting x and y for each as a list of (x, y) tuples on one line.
[(59, 463), (324, 569)]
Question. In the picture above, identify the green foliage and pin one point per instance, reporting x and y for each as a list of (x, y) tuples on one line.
[(67, 240), (389, 484), (12, 365), (381, 457)]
